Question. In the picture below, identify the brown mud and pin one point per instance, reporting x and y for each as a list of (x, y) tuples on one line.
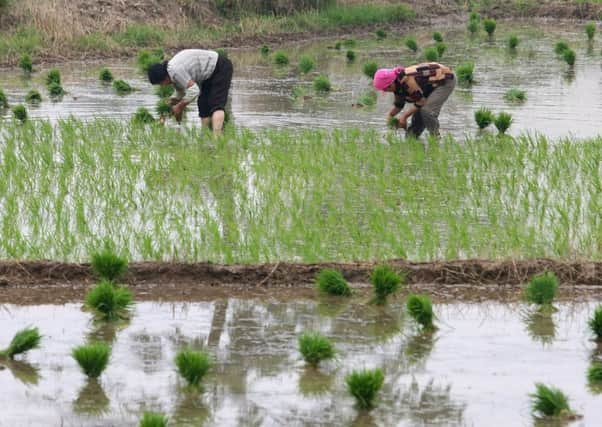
[(35, 282)]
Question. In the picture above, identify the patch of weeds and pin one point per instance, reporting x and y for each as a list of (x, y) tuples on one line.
[(515, 95), (56, 90), (322, 84), (484, 117), (431, 54), (122, 87), (193, 366), (590, 30), (441, 48), (560, 47), (332, 282), (280, 58), (153, 419), (385, 281), (23, 341), (3, 100), (569, 57), (364, 385), (550, 402), (92, 358), (164, 91), (380, 34), (148, 57), (25, 63), (438, 37), (465, 73), (370, 68), (140, 35), (502, 122), (315, 348), (53, 76), (513, 42), (306, 64), (105, 75), (350, 55), (109, 302), (411, 43), (20, 113), (33, 97), (420, 309), (542, 288), (142, 116), (264, 50), (107, 265), (595, 323), (489, 26)]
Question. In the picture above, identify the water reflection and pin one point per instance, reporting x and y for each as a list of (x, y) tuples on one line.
[(190, 411), (418, 348), (314, 382), (540, 327), (91, 399), (22, 371)]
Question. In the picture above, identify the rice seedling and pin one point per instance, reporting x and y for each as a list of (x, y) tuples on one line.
[(25, 63), (473, 27), (163, 108), (489, 25), (515, 95), (431, 54), (280, 58), (20, 113), (437, 37), (153, 419), (332, 282), (338, 45), (465, 73), (569, 57), (349, 43), (143, 116), (393, 123), (420, 309), (368, 98), (56, 90), (193, 366), (264, 50), (53, 76), (595, 323), (484, 117), (148, 57), (370, 68), (222, 52), (315, 348), (364, 385), (380, 34), (590, 30), (23, 341), (502, 122), (474, 16), (306, 64), (411, 43), (3, 100), (385, 282), (441, 48), (298, 92), (542, 289), (105, 75), (513, 42), (107, 265), (33, 97), (164, 91), (122, 87), (560, 47), (350, 56), (92, 358), (550, 402), (322, 84), (109, 302)]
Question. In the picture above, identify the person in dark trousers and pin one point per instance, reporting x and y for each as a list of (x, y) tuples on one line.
[(426, 85), (197, 74)]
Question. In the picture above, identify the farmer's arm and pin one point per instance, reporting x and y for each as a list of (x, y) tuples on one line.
[(417, 97)]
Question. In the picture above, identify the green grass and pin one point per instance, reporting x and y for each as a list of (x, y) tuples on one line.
[(280, 58), (590, 30), (53, 76), (364, 386), (350, 55), (420, 308), (595, 323), (25, 63), (148, 57), (143, 116), (569, 57), (108, 265), (483, 117), (3, 100), (549, 402), (23, 341), (411, 43), (315, 348), (55, 90), (385, 281), (542, 289), (306, 64), (140, 35), (105, 75), (164, 91), (369, 68), (193, 366), (332, 282), (561, 47), (431, 54), (153, 419), (465, 73), (109, 302), (441, 48), (437, 37), (322, 84), (122, 87), (513, 41), (20, 113), (92, 358), (515, 95), (502, 122), (33, 97), (489, 26)]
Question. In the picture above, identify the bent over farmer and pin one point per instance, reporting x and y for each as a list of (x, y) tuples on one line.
[(197, 73), (426, 85)]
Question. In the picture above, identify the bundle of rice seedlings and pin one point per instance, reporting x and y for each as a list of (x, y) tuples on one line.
[(153, 419), (109, 302), (489, 25), (502, 122), (441, 48), (23, 341), (122, 87), (569, 57), (315, 347), (193, 366), (350, 56), (550, 402), (590, 30), (368, 98), (370, 68), (411, 44), (595, 323), (264, 49), (437, 37), (280, 58), (33, 97), (25, 63), (513, 41), (380, 34), (105, 75), (364, 385), (53, 76), (385, 282), (20, 113), (322, 84), (465, 73), (594, 374), (107, 265), (3, 100), (163, 108), (484, 117), (148, 57), (515, 95), (542, 289), (164, 91), (56, 90), (420, 309), (560, 47), (143, 116), (92, 358), (332, 282), (306, 64)]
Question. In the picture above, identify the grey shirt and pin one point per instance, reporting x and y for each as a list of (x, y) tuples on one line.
[(191, 64)]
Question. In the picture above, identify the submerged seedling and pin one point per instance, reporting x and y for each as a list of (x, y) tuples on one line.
[(595, 323), (193, 366), (23, 341), (542, 289), (108, 301), (411, 44), (20, 113), (322, 84), (484, 117), (332, 282), (108, 265), (550, 402), (503, 121), (153, 419), (370, 68), (33, 97), (53, 76), (306, 64), (515, 95), (420, 309), (25, 63), (385, 282), (122, 87), (92, 358), (431, 54), (315, 347), (105, 75), (465, 73), (280, 58), (364, 385)]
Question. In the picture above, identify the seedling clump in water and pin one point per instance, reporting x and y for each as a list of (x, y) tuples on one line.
[(503, 121), (55, 90), (550, 402), (594, 376), (484, 117), (542, 289), (465, 73), (489, 26), (25, 63), (193, 366), (315, 347), (560, 47), (350, 55), (105, 75), (411, 44), (431, 54), (590, 30), (370, 68), (513, 42), (53, 76), (3, 100), (107, 265), (385, 282), (595, 323), (153, 419), (420, 309), (515, 95), (380, 34), (569, 57), (163, 108), (23, 341), (322, 84), (264, 49), (164, 91), (108, 301), (332, 282), (20, 113), (306, 64), (437, 37), (143, 116), (280, 58), (92, 358), (33, 97), (368, 99), (122, 87), (364, 385), (441, 48)]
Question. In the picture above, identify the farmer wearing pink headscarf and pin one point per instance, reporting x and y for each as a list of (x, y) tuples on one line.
[(426, 85)]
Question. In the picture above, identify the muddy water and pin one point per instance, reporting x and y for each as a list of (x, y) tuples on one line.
[(476, 370), (560, 102)]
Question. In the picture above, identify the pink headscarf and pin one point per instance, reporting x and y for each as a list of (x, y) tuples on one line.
[(385, 76)]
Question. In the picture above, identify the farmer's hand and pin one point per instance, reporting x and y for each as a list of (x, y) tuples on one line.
[(173, 101), (177, 110), (403, 122)]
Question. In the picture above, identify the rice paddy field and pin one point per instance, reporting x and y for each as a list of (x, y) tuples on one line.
[(308, 172)]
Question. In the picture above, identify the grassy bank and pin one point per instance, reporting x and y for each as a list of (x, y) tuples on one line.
[(162, 194)]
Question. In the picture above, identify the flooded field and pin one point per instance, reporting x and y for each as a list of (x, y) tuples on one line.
[(477, 369), (560, 102)]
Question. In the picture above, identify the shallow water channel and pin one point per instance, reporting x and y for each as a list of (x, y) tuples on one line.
[(560, 101), (476, 370)]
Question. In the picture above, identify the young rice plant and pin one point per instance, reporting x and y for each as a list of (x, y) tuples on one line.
[(25, 63), (590, 30), (380, 34), (164, 91), (502, 122), (411, 44), (569, 57), (437, 37), (484, 117), (364, 385), (431, 54), (143, 116), (264, 50), (55, 90), (280, 58), (322, 84), (594, 375), (105, 75), (122, 87), (92, 358), (441, 48), (20, 113), (306, 64), (420, 309), (515, 95), (315, 347), (193, 366), (33, 97), (542, 289), (549, 402), (595, 323), (560, 47), (370, 68), (489, 25), (108, 301), (465, 73), (23, 341), (385, 282), (53, 76), (3, 100), (513, 42), (350, 56), (153, 419), (332, 282)]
